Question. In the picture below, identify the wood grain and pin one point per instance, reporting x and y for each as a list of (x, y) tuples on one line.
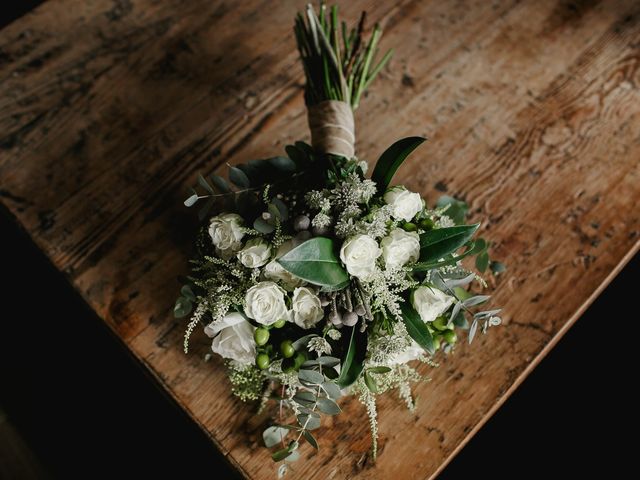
[(108, 109)]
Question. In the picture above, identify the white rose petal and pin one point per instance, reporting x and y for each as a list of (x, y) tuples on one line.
[(265, 303), (233, 338), (359, 254), (226, 234), (274, 271), (400, 248), (255, 253), (306, 307), (404, 204), (430, 302), (412, 352)]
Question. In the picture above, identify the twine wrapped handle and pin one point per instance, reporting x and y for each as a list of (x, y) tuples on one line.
[(332, 128)]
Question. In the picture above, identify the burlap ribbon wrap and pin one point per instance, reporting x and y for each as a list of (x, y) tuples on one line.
[(332, 128)]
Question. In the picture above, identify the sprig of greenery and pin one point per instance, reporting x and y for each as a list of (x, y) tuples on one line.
[(338, 64)]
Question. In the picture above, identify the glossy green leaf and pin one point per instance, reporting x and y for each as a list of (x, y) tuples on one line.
[(416, 328), (436, 244), (352, 366), (315, 262), (391, 159)]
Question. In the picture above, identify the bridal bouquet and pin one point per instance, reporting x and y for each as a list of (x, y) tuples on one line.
[(315, 281)]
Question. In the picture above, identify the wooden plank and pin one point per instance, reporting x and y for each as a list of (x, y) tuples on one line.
[(109, 108)]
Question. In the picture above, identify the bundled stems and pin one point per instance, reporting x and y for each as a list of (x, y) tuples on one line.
[(336, 68)]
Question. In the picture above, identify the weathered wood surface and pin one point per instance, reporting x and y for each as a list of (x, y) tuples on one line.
[(108, 109)]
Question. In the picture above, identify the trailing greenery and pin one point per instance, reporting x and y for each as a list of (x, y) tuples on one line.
[(339, 64)]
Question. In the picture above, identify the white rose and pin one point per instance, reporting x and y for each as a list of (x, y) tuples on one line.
[(430, 302), (274, 271), (412, 352), (226, 233), (400, 247), (307, 310), (233, 338), (359, 254), (265, 303), (405, 204), (255, 253)]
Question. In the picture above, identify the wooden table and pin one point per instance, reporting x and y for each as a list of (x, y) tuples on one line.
[(108, 109)]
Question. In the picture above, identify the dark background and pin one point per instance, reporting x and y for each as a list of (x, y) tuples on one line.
[(86, 408)]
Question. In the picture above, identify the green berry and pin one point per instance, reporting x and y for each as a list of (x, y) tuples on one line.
[(426, 224), (436, 343), (280, 323), (450, 337), (286, 348), (440, 323), (261, 336), (262, 361), (299, 359), (410, 227)]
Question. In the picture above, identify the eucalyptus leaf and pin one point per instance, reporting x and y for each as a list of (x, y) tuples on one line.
[(497, 267), (274, 435), (315, 262), (182, 307), (204, 211), (356, 350), (308, 422), (473, 329), (310, 438), (435, 244), (191, 201), (282, 208), (220, 183), (188, 293), (460, 320), (283, 164), (305, 398), (416, 328), (311, 376), (476, 300), (238, 177), (263, 226), (328, 406), (457, 210), (333, 391), (391, 159), (294, 456), (204, 184)]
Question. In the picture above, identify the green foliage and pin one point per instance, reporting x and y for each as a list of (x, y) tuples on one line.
[(353, 358), (315, 262), (391, 159), (416, 328), (338, 65), (456, 209), (436, 244)]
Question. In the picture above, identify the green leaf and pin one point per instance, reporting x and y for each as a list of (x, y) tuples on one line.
[(274, 435), (308, 422), (333, 391), (416, 328), (378, 370), (370, 382), (310, 438), (283, 164), (238, 177), (263, 226), (283, 211), (281, 454), (457, 210), (482, 262), (435, 244), (391, 160), (188, 293), (315, 262), (328, 406), (302, 341), (204, 184), (497, 267), (311, 376), (352, 363), (191, 201), (182, 307), (220, 183)]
